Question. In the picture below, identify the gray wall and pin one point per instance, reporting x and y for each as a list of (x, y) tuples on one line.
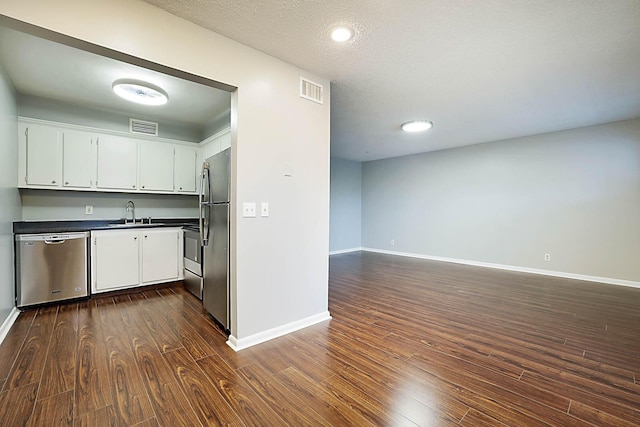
[(572, 194), (9, 198), (345, 218), (57, 111), (47, 205)]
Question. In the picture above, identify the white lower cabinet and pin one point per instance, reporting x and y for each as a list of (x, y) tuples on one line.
[(160, 255), (129, 258), (115, 256)]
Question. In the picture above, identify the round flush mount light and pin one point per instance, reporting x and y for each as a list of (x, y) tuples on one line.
[(140, 92), (417, 126), (341, 34)]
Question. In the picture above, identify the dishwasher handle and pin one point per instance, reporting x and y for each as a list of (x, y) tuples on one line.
[(55, 242)]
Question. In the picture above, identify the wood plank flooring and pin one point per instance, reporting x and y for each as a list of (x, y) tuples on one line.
[(411, 342)]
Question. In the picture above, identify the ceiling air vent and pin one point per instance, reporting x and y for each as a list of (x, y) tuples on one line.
[(142, 127), (310, 90)]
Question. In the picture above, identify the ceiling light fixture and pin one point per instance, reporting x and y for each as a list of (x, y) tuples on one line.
[(417, 126), (341, 34), (140, 92)]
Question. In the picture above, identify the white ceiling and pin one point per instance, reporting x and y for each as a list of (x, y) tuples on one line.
[(47, 69), (480, 70)]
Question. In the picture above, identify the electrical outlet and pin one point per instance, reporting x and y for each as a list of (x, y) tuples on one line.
[(547, 257), (88, 210), (287, 169), (249, 210), (264, 209)]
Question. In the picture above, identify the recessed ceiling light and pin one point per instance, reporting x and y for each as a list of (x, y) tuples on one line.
[(140, 92), (341, 34), (417, 126)]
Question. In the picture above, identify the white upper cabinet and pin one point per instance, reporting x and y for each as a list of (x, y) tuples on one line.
[(62, 156), (225, 141), (211, 148), (156, 166), (117, 162), (43, 151), (78, 163), (185, 172), (216, 143)]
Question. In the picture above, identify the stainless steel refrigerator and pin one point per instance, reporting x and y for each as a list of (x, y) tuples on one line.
[(214, 235)]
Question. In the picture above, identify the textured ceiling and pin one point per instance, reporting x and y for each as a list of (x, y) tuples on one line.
[(480, 70), (50, 70)]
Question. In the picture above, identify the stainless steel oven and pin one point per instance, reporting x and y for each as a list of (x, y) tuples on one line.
[(193, 281)]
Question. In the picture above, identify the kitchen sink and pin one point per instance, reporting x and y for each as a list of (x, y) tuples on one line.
[(137, 225)]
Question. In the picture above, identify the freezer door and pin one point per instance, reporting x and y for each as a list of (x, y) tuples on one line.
[(219, 176), (193, 283), (216, 266)]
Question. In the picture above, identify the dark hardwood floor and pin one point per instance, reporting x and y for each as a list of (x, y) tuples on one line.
[(412, 342)]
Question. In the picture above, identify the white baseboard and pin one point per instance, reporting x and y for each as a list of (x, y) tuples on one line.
[(238, 344), (344, 251), (607, 280), (8, 322)]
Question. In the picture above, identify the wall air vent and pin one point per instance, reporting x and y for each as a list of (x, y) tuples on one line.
[(142, 127), (311, 91)]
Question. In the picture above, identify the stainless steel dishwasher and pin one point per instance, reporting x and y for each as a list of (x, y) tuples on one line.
[(51, 267)]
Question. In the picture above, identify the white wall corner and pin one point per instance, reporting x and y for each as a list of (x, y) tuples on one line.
[(8, 322), (242, 343), (344, 251), (597, 279)]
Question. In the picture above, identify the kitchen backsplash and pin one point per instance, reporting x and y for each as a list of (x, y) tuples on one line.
[(43, 205)]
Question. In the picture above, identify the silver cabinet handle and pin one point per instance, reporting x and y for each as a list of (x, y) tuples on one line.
[(53, 182), (66, 183), (133, 186)]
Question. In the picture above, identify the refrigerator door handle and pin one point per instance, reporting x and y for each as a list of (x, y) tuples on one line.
[(204, 179), (203, 204), (205, 221), (200, 197)]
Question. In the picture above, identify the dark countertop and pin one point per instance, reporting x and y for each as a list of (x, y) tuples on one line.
[(30, 227)]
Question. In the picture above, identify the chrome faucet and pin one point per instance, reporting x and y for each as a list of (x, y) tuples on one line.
[(131, 207)]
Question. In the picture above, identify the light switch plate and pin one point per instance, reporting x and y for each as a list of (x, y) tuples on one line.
[(248, 210), (264, 209), (88, 210)]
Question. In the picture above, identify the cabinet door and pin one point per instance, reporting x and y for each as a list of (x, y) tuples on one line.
[(115, 260), (212, 148), (117, 162), (156, 166), (43, 150), (225, 141), (160, 255), (78, 160), (185, 169)]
